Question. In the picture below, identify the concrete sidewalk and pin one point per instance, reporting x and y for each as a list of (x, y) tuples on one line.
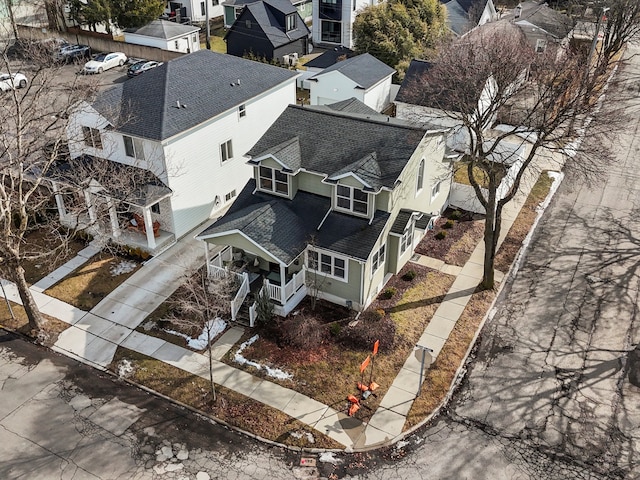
[(94, 337)]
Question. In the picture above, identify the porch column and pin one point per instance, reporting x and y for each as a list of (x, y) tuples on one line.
[(148, 226), (283, 281), (59, 200), (207, 258), (113, 217), (92, 211)]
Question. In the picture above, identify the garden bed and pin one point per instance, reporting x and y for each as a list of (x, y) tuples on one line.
[(453, 238), (40, 241)]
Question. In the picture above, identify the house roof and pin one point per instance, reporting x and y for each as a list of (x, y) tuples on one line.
[(204, 84), (410, 91), (264, 13), (353, 105), (377, 151), (285, 227), (544, 17), (404, 216), (458, 16), (330, 57), (131, 185), (365, 70), (163, 29)]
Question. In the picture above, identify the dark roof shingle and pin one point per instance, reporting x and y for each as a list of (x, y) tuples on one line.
[(163, 29), (365, 70)]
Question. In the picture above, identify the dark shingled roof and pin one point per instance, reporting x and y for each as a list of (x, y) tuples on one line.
[(263, 12), (285, 227), (551, 21), (410, 91), (402, 220), (377, 150), (329, 57), (353, 105), (163, 29), (365, 70), (204, 83)]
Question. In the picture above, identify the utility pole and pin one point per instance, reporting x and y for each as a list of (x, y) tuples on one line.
[(206, 15)]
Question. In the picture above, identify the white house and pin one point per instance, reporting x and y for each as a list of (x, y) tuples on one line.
[(184, 128), (333, 21), (363, 77), (465, 15), (194, 10), (165, 35)]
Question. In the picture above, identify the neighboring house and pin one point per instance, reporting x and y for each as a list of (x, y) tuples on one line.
[(182, 128), (193, 10), (413, 105), (328, 58), (541, 25), (363, 77), (269, 29), (333, 21), (233, 8), (333, 213), (465, 15), (166, 35)]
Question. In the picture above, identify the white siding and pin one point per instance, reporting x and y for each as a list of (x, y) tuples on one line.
[(197, 174), (378, 96), (185, 44), (333, 85)]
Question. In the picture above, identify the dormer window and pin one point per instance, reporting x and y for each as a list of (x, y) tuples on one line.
[(291, 22), (273, 180), (352, 199)]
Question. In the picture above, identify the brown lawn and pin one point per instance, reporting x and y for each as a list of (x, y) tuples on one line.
[(19, 323), (60, 252)]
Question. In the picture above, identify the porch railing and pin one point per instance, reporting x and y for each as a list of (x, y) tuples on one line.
[(253, 314), (291, 287), (225, 255), (236, 303)]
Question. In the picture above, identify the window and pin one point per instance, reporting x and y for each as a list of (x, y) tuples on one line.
[(329, 264), (92, 137), (133, 147), (420, 179), (194, 39), (407, 239), (435, 190), (226, 151), (203, 9), (331, 31), (352, 199), (274, 180), (291, 22), (215, 3), (242, 111), (541, 45), (238, 11), (378, 258), (155, 208), (229, 195), (176, 44)]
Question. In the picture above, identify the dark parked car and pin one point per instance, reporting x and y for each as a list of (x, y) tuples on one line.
[(70, 53), (141, 67)]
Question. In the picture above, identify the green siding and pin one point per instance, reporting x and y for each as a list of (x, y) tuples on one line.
[(393, 248), (311, 183), (229, 15), (348, 291)]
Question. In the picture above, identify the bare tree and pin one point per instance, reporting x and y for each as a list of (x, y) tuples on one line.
[(32, 140), (202, 300), (541, 101), (621, 25)]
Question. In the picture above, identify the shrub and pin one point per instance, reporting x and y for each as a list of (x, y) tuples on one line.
[(448, 224), (409, 275), (264, 308), (389, 292), (456, 215), (370, 328), (441, 235), (335, 329), (300, 331)]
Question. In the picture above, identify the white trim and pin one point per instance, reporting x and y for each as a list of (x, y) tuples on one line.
[(273, 181), (333, 256), (349, 174), (229, 157), (257, 161), (236, 231), (382, 259), (351, 201)]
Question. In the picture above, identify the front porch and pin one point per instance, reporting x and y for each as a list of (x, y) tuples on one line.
[(261, 275)]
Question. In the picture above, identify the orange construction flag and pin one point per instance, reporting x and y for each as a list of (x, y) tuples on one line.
[(375, 347), (365, 364)]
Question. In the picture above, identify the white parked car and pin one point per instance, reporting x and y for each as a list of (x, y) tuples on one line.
[(9, 82), (105, 61)]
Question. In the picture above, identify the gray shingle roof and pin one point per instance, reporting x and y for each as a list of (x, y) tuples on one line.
[(263, 12), (378, 150), (353, 105), (204, 83), (365, 70), (555, 23), (330, 57), (410, 91), (402, 220), (163, 29), (284, 227), (458, 18)]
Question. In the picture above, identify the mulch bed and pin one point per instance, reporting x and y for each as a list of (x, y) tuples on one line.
[(401, 284), (460, 240)]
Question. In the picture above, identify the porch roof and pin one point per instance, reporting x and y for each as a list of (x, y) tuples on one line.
[(126, 183), (403, 217), (285, 227)]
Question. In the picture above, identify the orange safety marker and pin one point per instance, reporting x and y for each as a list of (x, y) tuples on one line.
[(353, 409), (362, 387), (353, 399), (373, 386)]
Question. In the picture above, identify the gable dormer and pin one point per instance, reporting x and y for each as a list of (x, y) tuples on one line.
[(352, 195), (274, 171)]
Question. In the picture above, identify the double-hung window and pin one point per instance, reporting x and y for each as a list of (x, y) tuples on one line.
[(352, 199), (291, 22), (274, 180), (92, 137), (226, 151), (328, 264), (133, 147), (378, 258), (435, 190), (407, 239), (420, 178), (242, 111)]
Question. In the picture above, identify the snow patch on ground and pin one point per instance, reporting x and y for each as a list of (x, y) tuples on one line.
[(272, 372), (122, 267), (308, 436), (329, 457), (401, 444), (215, 327), (125, 368)]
